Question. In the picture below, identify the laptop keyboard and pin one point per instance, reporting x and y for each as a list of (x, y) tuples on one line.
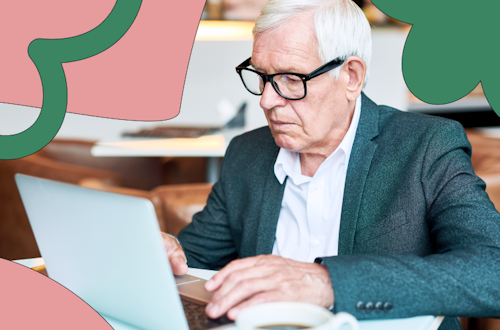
[(197, 319)]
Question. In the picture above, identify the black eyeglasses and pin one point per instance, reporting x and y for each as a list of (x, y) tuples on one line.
[(291, 86)]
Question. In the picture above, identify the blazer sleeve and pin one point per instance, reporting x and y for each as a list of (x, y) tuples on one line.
[(462, 278), (207, 240)]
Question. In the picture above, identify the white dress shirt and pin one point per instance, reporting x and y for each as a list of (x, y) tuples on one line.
[(309, 220)]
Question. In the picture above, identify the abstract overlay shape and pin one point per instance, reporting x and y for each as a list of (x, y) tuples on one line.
[(30, 300), (140, 78), (48, 56), (451, 48)]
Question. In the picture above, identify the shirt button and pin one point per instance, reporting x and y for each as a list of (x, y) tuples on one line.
[(387, 306), (360, 305), (315, 243)]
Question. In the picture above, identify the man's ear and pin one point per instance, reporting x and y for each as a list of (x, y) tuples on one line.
[(355, 68)]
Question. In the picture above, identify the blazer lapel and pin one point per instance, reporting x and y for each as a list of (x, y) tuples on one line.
[(271, 206), (362, 153)]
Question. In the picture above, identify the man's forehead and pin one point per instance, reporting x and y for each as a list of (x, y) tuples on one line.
[(289, 44), (290, 59)]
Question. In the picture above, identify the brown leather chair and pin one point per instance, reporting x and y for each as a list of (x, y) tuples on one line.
[(486, 163), (179, 203)]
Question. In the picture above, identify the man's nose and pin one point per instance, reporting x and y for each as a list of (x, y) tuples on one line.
[(270, 98)]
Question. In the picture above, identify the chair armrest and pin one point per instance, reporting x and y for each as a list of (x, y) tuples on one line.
[(180, 203), (55, 170), (485, 152)]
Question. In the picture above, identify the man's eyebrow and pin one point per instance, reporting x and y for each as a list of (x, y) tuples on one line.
[(256, 67), (291, 69), (278, 69)]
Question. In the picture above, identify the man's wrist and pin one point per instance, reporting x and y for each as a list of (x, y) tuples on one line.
[(321, 261)]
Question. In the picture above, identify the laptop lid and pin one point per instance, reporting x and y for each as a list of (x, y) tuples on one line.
[(107, 249)]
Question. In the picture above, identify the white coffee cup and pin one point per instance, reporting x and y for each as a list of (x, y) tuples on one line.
[(292, 314)]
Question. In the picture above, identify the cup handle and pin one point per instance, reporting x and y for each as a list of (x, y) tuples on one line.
[(340, 319)]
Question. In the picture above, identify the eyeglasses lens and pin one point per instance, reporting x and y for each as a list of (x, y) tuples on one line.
[(253, 81), (289, 85)]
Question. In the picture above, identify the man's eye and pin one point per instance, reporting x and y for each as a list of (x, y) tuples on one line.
[(286, 78)]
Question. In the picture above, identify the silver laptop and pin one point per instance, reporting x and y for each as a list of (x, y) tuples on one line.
[(107, 249)]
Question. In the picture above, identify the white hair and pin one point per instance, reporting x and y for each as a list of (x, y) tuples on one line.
[(341, 27)]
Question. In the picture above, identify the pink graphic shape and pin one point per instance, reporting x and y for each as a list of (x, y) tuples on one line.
[(141, 77), (30, 300)]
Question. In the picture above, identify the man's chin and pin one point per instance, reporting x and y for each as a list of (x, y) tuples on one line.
[(286, 142)]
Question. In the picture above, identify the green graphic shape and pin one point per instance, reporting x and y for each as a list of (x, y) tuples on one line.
[(451, 47), (48, 56)]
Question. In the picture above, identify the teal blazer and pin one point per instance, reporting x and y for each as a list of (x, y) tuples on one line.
[(418, 233)]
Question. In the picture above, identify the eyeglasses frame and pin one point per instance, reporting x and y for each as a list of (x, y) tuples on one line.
[(304, 77)]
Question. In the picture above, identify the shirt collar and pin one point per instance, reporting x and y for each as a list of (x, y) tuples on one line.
[(288, 161)]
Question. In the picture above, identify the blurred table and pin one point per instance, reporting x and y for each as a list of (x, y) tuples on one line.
[(211, 146)]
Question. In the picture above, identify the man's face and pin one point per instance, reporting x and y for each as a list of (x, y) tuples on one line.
[(319, 120)]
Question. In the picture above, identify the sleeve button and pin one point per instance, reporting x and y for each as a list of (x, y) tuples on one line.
[(360, 305), (387, 306), (379, 305), (369, 306)]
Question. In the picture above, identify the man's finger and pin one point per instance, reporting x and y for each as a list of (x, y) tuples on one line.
[(179, 266), (233, 279), (219, 305), (215, 282), (178, 261), (175, 254)]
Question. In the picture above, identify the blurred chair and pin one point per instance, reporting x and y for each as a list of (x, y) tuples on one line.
[(179, 203), (486, 163), (181, 170)]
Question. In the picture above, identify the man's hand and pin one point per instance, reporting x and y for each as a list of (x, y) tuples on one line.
[(251, 281), (176, 256)]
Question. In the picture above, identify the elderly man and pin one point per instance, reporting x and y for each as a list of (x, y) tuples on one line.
[(386, 202)]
